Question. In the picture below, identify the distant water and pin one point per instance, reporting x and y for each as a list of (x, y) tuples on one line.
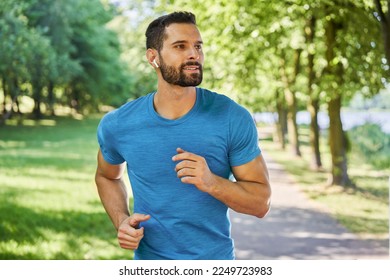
[(349, 119)]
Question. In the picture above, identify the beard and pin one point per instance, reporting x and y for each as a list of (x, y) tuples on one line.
[(178, 77)]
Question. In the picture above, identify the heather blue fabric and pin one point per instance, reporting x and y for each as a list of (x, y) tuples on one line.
[(185, 222)]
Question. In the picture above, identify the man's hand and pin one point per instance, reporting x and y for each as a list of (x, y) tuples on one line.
[(193, 169), (129, 235)]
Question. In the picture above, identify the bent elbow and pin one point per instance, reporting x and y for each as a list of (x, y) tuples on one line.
[(264, 209), (262, 212)]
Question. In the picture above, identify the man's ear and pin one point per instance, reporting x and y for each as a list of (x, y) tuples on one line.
[(152, 57)]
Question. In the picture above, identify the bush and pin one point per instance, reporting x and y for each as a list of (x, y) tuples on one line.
[(372, 143)]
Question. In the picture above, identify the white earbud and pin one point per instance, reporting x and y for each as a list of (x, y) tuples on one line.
[(155, 63)]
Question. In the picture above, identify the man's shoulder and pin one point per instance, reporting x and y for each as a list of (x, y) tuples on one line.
[(122, 113), (214, 96), (223, 101), (216, 101), (140, 102)]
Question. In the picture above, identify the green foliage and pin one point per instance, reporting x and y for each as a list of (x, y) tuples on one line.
[(257, 51), (247, 48), (131, 30), (49, 206), (15, 52), (372, 143), (55, 19), (63, 47), (104, 78)]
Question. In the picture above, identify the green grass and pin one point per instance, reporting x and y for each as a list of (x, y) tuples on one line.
[(49, 206), (363, 210)]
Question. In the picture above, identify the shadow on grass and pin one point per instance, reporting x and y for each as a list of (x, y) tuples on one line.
[(303, 234), (26, 226)]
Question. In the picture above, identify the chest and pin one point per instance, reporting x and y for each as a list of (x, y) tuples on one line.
[(148, 148)]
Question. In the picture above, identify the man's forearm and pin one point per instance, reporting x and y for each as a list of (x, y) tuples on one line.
[(113, 194), (250, 194), (251, 198)]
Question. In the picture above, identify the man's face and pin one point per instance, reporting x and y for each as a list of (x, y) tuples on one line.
[(181, 57)]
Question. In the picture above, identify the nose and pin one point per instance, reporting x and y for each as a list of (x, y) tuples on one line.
[(194, 53)]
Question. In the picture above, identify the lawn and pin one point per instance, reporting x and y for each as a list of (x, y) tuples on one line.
[(49, 206), (363, 210)]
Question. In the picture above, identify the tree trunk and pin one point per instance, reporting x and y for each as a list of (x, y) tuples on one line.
[(337, 144), (313, 104), (291, 100), (37, 90), (51, 98), (281, 124), (385, 23), (15, 95), (313, 108), (5, 93), (75, 100), (292, 125), (337, 138)]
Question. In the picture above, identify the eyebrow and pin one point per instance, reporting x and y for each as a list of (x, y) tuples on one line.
[(184, 41)]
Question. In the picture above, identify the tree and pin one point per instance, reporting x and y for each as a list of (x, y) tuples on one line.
[(104, 77), (313, 105), (352, 63), (55, 19), (41, 65), (254, 54), (131, 23), (337, 58), (15, 53), (61, 52)]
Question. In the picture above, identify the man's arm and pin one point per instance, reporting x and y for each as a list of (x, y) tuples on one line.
[(113, 194), (250, 194)]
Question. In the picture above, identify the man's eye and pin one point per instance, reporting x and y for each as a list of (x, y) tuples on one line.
[(179, 46), (198, 47)]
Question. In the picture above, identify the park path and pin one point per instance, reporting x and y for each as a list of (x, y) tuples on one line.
[(298, 228)]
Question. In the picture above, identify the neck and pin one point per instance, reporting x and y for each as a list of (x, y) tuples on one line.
[(173, 102)]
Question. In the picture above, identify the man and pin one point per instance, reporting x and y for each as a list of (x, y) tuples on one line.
[(180, 145)]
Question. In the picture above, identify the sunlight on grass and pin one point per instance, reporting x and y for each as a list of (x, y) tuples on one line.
[(53, 245), (27, 122), (358, 213)]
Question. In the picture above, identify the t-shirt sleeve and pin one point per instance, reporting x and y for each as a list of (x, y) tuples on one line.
[(107, 141), (244, 145)]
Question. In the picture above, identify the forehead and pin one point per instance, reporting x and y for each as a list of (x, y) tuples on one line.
[(181, 32)]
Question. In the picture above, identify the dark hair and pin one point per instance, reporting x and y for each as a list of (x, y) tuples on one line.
[(156, 29)]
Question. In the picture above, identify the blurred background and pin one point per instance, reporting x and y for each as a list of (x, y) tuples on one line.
[(313, 73)]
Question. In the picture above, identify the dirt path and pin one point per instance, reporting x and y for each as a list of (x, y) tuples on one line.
[(298, 228)]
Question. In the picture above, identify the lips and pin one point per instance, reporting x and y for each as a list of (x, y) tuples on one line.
[(192, 67)]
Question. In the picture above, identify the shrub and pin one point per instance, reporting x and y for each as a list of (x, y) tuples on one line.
[(372, 143)]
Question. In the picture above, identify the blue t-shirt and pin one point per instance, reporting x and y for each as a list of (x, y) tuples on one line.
[(185, 223)]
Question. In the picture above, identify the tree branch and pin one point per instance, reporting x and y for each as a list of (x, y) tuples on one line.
[(380, 10)]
